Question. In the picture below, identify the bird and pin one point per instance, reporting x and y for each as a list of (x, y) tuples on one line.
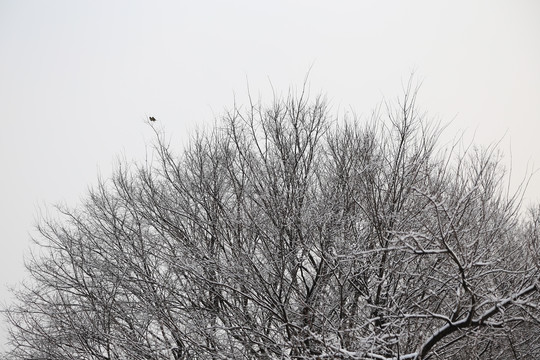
[(151, 118)]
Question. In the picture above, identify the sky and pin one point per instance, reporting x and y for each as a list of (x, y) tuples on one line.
[(79, 78)]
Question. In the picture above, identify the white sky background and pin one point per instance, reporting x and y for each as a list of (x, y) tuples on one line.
[(77, 79)]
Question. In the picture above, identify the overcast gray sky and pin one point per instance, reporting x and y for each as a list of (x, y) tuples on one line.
[(78, 78)]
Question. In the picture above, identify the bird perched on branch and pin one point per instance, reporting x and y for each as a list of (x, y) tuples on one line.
[(151, 118)]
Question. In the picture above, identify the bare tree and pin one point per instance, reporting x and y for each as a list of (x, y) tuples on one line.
[(285, 233)]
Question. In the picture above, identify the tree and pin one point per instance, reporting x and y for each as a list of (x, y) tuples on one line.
[(284, 233)]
